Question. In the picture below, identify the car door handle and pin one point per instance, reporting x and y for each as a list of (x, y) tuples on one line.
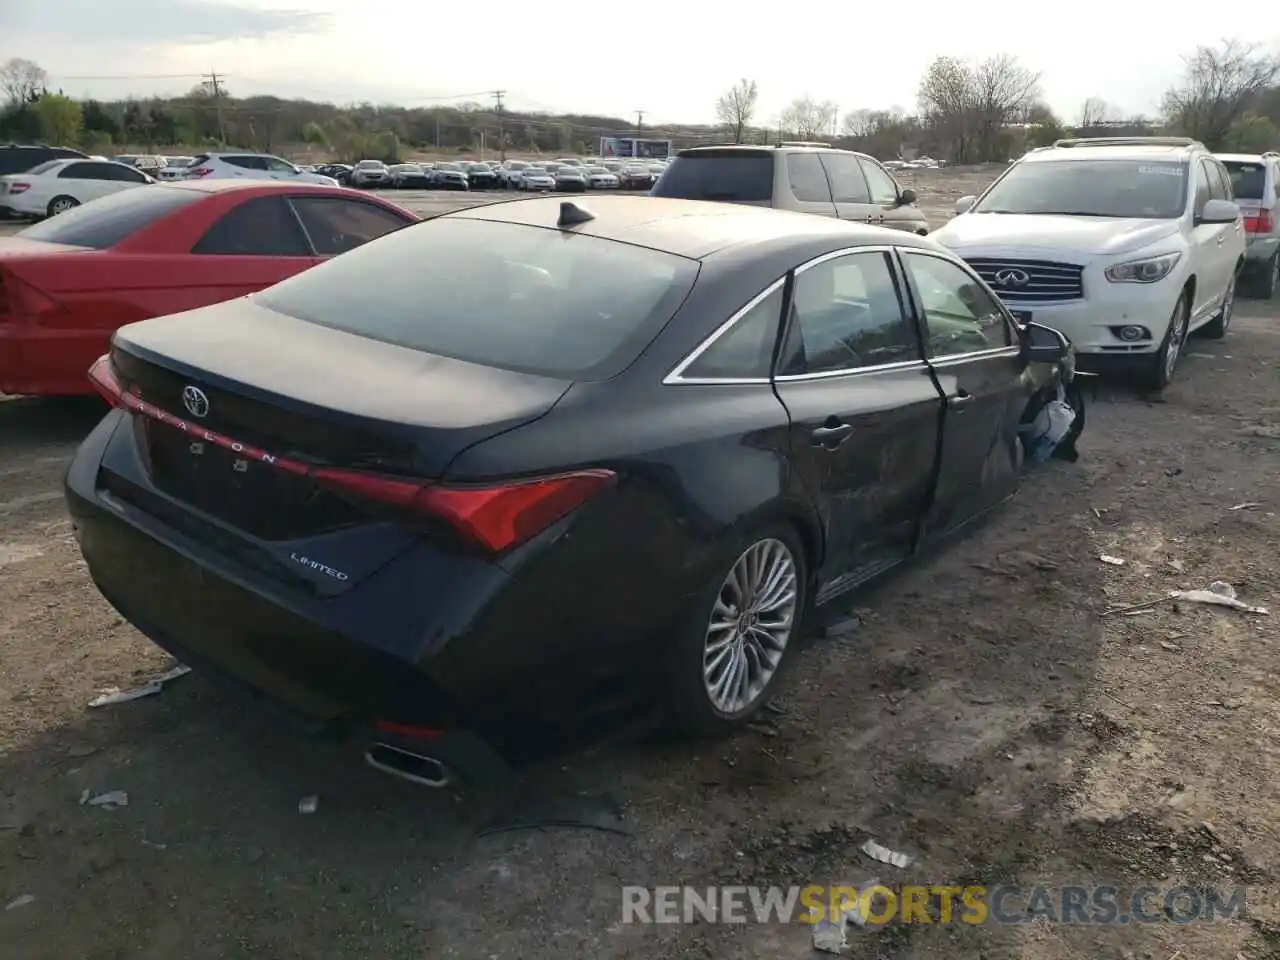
[(959, 398), (831, 436)]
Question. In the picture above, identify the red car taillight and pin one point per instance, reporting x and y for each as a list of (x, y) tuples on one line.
[(1264, 222), (106, 382), (19, 187), (496, 517), (199, 172)]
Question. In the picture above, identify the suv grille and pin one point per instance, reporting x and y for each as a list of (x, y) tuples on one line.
[(1031, 281)]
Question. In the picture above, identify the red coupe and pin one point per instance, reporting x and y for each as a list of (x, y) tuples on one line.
[(67, 283)]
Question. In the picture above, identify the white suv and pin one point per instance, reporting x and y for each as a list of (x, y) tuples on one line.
[(254, 166), (1125, 244)]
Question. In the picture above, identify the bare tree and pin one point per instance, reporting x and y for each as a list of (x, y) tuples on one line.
[(1218, 88), (737, 106), (22, 80), (859, 124), (970, 106), (1095, 112), (809, 119)]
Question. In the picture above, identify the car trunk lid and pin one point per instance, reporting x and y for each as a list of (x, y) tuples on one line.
[(244, 405)]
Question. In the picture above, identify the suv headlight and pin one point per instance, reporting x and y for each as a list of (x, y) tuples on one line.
[(1147, 270)]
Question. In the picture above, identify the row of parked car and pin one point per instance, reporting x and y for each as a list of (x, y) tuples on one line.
[(567, 174)]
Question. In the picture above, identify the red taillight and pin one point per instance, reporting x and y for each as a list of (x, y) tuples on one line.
[(19, 187), (106, 382), (495, 517), (199, 172), (1264, 222), (408, 730)]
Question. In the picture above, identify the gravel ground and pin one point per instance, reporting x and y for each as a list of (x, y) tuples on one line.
[(985, 716)]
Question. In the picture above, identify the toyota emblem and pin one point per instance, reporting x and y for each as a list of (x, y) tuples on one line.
[(195, 401), (1011, 277)]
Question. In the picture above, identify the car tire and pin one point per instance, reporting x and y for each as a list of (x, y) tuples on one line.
[(1158, 373), (61, 204), (1217, 328), (1268, 277), (772, 555)]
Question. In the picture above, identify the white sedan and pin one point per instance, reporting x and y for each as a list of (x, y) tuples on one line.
[(536, 178), (599, 178), (59, 185)]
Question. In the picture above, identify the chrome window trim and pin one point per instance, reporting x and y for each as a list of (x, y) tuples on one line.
[(676, 376)]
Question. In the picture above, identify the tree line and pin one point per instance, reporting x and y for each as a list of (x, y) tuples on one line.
[(1228, 96)]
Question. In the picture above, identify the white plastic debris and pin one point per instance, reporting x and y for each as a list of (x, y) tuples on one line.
[(111, 800), (1112, 561), (1246, 506), (150, 688), (309, 804), (829, 933), (877, 852), (1219, 594), (21, 901)]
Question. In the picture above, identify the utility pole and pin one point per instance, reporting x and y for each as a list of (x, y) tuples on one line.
[(502, 126), (639, 121), (216, 84)]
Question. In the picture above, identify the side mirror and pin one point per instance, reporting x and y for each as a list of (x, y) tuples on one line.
[(964, 203), (1219, 211), (1041, 344), (906, 197)]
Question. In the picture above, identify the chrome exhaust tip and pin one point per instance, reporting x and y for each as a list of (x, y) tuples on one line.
[(414, 767)]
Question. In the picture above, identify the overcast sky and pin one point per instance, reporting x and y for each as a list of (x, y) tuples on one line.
[(597, 57)]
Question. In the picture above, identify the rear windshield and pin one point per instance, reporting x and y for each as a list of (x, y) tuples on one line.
[(524, 298), (730, 177), (1135, 189), (112, 219), (1249, 180)]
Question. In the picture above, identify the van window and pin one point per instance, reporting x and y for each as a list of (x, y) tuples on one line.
[(733, 176)]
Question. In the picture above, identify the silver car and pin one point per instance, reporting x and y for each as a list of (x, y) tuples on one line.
[(805, 178), (371, 173), (1255, 178)]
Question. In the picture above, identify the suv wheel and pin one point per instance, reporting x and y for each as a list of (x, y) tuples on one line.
[(1217, 328), (1160, 366), (1268, 277)]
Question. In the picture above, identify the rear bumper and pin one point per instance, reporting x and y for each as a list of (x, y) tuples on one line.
[(428, 639), (1261, 249)]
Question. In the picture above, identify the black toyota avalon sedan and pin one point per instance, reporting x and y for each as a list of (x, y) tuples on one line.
[(487, 467)]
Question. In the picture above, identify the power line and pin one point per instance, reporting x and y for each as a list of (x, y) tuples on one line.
[(137, 76)]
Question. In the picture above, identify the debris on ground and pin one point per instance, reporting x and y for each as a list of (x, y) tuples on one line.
[(584, 811), (21, 901), (111, 800), (1218, 594), (309, 804), (882, 853), (1112, 561), (829, 934), (113, 695), (1246, 506)]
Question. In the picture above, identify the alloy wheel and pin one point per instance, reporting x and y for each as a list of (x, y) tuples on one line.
[(1177, 336), (62, 206), (750, 626)]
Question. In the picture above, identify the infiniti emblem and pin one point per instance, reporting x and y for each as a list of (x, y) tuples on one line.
[(195, 401), (1011, 277)]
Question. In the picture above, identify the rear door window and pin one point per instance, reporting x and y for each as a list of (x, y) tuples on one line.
[(848, 185), (112, 219), (247, 163), (1248, 180), (731, 176), (78, 171), (808, 181), (261, 227), (337, 225), (506, 295)]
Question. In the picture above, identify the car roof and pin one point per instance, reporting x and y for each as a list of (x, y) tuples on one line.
[(695, 229), (1245, 157), (248, 186), (1163, 152)]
